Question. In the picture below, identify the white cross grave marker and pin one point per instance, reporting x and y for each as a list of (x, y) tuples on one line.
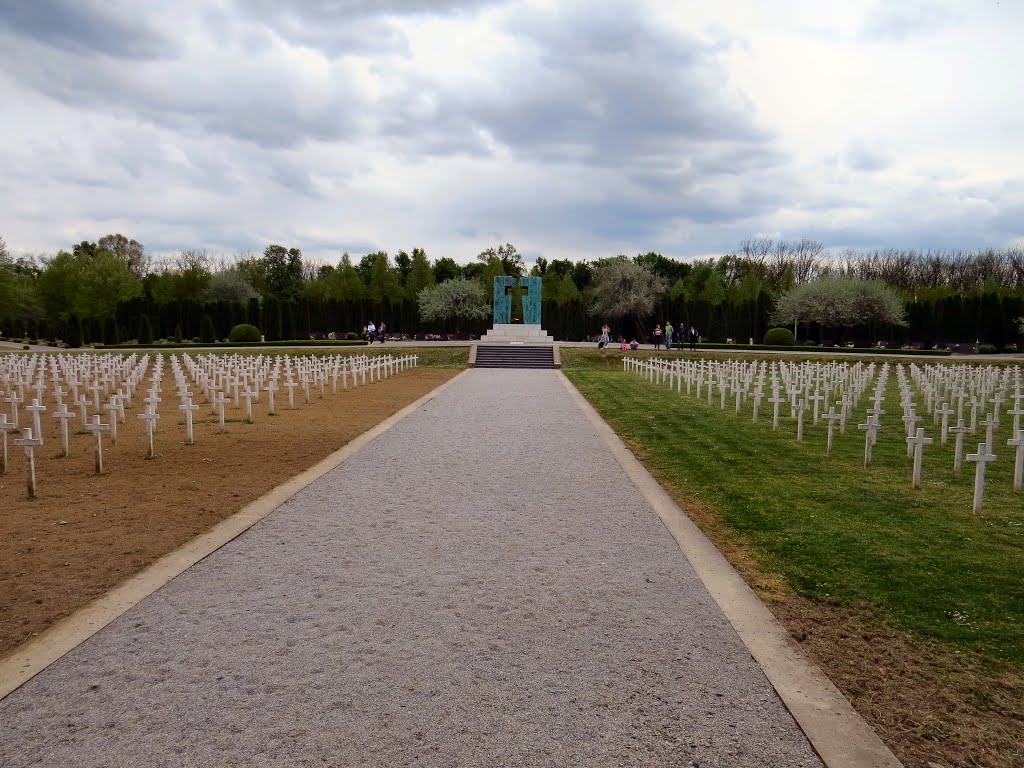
[(989, 423), (871, 428), (271, 389), (189, 408), (1016, 413), (248, 394), (776, 401), (981, 458), (5, 427), (35, 409), (98, 429), (944, 412), (831, 417), (64, 414), (958, 445), (150, 417), (918, 442), (219, 401), (83, 405), (15, 401), (1017, 441), (111, 409), (30, 443)]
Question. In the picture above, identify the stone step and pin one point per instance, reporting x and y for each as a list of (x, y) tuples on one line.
[(514, 357)]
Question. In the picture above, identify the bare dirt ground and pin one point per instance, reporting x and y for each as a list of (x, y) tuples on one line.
[(86, 533), (933, 707)]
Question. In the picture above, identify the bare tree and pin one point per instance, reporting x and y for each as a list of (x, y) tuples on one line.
[(194, 259)]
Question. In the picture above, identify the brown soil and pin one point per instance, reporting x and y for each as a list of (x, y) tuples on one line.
[(933, 706), (86, 533)]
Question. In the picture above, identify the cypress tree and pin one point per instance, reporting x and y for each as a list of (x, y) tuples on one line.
[(74, 332), (110, 335), (145, 330), (207, 333)]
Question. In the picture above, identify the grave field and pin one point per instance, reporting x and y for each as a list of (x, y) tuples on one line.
[(909, 601), (85, 533)]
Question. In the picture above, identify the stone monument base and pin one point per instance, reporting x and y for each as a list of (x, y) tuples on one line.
[(516, 333)]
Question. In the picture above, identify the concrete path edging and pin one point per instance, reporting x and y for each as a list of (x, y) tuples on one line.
[(37, 654), (841, 737)]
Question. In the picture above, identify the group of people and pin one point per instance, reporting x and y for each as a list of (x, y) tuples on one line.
[(371, 332), (686, 335)]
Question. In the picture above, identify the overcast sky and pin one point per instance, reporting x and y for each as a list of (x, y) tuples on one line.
[(572, 129)]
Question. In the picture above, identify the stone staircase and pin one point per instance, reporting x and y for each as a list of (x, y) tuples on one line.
[(489, 356)]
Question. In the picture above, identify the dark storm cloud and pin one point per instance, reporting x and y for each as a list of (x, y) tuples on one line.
[(85, 26)]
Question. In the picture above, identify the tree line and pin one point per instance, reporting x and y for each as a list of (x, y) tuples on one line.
[(111, 291)]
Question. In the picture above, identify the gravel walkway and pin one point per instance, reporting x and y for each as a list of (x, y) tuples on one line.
[(479, 586)]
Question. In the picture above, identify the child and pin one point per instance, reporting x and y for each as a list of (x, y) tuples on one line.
[(633, 344), (622, 343)]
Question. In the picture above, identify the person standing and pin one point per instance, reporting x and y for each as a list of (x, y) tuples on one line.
[(694, 335), (657, 337), (371, 331), (605, 336), (381, 331), (669, 330)]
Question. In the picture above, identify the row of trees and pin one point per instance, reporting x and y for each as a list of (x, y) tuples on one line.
[(106, 287)]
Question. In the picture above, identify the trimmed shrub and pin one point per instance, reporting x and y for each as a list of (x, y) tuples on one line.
[(987, 349), (245, 332), (1011, 348), (779, 337), (352, 336)]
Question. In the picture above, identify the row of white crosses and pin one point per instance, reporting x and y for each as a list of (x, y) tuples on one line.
[(81, 374), (831, 391), (88, 387)]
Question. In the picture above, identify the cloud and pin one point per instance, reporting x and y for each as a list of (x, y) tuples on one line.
[(861, 157), (88, 27), (890, 22), (571, 129), (604, 87)]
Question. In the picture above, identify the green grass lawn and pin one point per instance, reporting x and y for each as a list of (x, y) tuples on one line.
[(832, 528)]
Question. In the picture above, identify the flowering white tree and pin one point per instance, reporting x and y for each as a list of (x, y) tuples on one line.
[(457, 298), (841, 302)]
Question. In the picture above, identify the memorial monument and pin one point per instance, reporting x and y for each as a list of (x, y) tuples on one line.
[(529, 331)]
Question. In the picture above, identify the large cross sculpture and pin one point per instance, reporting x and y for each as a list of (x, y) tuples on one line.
[(503, 287)]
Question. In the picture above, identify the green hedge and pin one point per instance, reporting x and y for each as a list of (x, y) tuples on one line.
[(297, 343), (801, 348)]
